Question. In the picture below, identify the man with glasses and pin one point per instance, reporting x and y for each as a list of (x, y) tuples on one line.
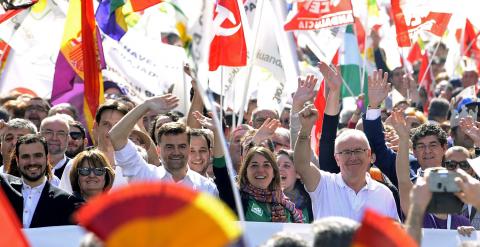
[(56, 131), (350, 192), (78, 140), (36, 110), (43, 204)]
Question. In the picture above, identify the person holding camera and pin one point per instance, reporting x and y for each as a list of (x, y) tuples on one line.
[(429, 150)]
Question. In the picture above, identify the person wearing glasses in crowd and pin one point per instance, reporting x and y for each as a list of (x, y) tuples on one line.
[(36, 110), (91, 174), (56, 130), (78, 140)]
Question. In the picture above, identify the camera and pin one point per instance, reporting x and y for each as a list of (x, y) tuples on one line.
[(443, 180), (441, 183)]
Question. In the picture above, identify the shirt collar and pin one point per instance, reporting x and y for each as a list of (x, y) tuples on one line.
[(60, 162), (37, 188), (369, 186)]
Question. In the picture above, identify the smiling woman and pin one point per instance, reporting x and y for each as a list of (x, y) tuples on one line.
[(91, 174), (261, 191)]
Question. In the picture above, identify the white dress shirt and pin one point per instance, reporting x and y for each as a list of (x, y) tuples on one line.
[(31, 196), (333, 197), (137, 169)]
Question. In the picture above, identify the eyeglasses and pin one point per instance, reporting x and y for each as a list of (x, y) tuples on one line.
[(422, 147), (50, 134), (452, 165), (85, 171), (36, 108), (76, 135), (357, 152)]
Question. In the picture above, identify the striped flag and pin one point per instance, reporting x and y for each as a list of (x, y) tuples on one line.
[(377, 230), (80, 56), (351, 65), (110, 18)]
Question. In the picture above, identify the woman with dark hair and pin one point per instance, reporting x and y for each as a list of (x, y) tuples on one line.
[(258, 180), (91, 174), (292, 185)]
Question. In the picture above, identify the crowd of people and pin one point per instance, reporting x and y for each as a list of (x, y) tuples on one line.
[(379, 157)]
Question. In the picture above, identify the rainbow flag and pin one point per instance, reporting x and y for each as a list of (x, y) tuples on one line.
[(111, 19), (80, 57)]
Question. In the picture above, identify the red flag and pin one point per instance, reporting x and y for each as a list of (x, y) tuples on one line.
[(319, 103), (415, 53), (470, 43), (228, 47), (425, 79), (316, 14), (11, 230), (360, 32), (93, 82), (409, 21), (378, 231), (139, 5)]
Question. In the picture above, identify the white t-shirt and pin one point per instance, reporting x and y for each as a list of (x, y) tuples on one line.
[(137, 169), (333, 197)]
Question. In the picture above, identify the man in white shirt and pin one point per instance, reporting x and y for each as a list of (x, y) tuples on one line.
[(349, 192), (56, 131), (107, 115), (43, 204), (13, 129), (173, 146)]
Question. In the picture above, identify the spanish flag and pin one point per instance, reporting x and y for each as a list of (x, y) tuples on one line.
[(80, 57), (378, 231), (159, 214)]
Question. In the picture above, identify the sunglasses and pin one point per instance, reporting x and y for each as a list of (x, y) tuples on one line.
[(85, 171), (452, 165), (76, 135)]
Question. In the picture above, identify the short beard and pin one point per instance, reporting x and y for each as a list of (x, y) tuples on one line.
[(32, 179), (73, 153)]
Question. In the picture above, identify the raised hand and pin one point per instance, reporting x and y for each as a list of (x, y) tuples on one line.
[(471, 129), (267, 130), (332, 75), (164, 103), (308, 116), (470, 188), (206, 122), (400, 125), (304, 92), (378, 88)]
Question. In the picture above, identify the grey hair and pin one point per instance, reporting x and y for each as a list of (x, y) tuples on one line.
[(64, 118), (350, 133), (285, 239), (19, 123), (334, 232)]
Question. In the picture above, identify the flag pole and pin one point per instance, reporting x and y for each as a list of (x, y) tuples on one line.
[(428, 66), (221, 92), (208, 101), (362, 72), (256, 27), (287, 47)]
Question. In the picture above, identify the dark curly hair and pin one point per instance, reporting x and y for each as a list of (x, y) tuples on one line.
[(428, 130)]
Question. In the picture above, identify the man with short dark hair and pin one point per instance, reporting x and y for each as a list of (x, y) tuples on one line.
[(78, 139), (43, 204), (173, 145), (36, 110), (200, 156), (334, 232)]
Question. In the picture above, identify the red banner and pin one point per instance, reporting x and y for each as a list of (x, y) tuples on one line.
[(316, 14), (411, 17)]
